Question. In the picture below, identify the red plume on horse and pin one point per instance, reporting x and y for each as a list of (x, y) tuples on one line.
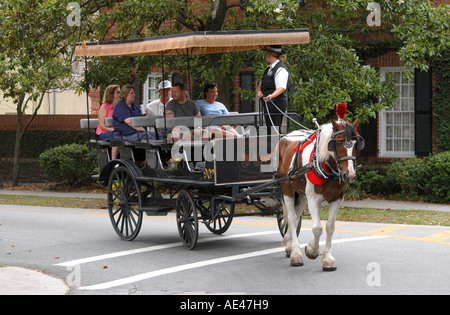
[(330, 152), (341, 110)]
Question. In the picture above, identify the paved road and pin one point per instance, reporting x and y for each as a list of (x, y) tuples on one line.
[(80, 246)]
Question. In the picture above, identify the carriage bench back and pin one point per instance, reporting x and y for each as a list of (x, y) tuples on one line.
[(92, 124), (204, 121), (145, 121)]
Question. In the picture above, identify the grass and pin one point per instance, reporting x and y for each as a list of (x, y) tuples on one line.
[(414, 217), (53, 202)]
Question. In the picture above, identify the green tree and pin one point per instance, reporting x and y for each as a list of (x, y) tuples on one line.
[(36, 46)]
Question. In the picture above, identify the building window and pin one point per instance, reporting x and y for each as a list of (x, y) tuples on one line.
[(397, 123), (151, 86)]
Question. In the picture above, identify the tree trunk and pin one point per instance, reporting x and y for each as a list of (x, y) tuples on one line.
[(19, 134)]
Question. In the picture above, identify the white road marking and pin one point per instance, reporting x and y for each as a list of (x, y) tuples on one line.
[(157, 247), (204, 263)]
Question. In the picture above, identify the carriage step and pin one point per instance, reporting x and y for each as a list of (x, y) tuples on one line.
[(155, 210)]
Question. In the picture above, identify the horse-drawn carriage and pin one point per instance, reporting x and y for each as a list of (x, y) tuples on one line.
[(204, 179)]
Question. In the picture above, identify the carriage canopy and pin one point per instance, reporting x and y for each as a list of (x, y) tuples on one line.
[(195, 43)]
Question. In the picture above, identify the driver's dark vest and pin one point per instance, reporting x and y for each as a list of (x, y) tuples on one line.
[(268, 81)]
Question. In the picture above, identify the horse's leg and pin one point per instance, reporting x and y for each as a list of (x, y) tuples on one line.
[(291, 234), (314, 201), (299, 207), (328, 261), (287, 240)]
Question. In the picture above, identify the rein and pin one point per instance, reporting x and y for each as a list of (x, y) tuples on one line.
[(283, 113)]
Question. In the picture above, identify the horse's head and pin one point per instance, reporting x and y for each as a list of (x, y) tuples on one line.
[(344, 143)]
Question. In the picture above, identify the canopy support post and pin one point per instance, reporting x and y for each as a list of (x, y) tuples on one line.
[(164, 100), (87, 99)]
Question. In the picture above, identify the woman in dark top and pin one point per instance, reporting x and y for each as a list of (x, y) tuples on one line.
[(123, 111), (274, 85)]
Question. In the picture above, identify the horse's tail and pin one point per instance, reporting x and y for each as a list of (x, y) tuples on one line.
[(285, 217)]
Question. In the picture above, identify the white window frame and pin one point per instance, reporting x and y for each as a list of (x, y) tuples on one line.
[(384, 152), (151, 86)]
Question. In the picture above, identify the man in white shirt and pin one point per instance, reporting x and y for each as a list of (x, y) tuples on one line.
[(274, 85), (156, 108)]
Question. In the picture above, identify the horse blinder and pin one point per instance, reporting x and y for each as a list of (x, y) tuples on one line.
[(332, 146), (359, 144)]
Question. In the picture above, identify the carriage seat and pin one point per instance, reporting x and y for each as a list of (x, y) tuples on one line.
[(92, 124), (205, 121)]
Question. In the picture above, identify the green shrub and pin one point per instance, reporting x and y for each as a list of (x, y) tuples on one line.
[(436, 173), (416, 178), (406, 177), (35, 142), (372, 180), (74, 163)]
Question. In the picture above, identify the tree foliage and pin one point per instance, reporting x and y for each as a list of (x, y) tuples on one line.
[(35, 56), (328, 70), (36, 46)]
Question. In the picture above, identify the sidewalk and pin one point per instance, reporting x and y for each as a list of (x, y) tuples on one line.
[(19, 281)]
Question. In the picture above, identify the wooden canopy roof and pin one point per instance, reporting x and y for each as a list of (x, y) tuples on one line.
[(195, 43)]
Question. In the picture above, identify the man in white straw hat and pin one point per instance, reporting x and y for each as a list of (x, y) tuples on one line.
[(156, 108)]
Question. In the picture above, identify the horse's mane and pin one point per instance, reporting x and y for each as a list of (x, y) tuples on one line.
[(325, 137)]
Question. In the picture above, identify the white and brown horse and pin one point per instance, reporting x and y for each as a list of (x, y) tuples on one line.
[(331, 151)]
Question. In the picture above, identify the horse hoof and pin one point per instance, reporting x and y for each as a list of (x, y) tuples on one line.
[(288, 252), (309, 255), (296, 261), (328, 267)]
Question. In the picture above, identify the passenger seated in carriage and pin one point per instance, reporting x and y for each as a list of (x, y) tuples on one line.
[(122, 114), (156, 108), (181, 106), (110, 99), (209, 106)]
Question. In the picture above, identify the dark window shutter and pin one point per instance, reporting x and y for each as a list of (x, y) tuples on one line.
[(423, 112), (246, 83), (370, 133)]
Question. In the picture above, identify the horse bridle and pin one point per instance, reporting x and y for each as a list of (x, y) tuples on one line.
[(348, 144), (359, 146)]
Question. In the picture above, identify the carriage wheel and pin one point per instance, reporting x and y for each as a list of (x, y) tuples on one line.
[(124, 200), (224, 217), (284, 227), (187, 220)]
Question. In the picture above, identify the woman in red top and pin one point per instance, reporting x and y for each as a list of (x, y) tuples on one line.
[(110, 99)]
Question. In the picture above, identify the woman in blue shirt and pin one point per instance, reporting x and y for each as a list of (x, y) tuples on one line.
[(123, 111), (209, 107)]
